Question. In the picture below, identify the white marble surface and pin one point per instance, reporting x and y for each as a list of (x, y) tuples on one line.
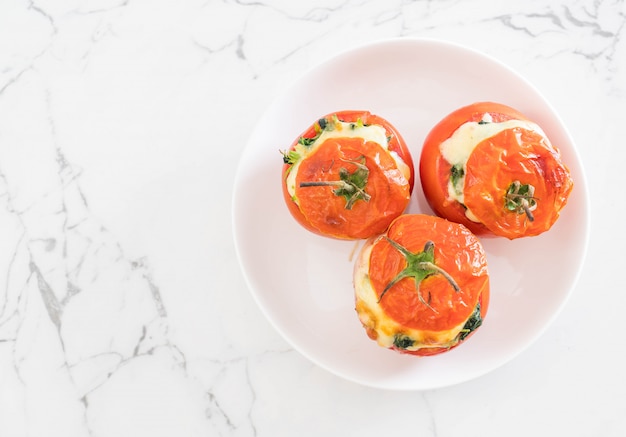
[(123, 310)]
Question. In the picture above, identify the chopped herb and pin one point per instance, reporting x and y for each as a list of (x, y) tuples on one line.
[(472, 324), (290, 157), (484, 122), (457, 173), (359, 123), (306, 141), (319, 127), (402, 341)]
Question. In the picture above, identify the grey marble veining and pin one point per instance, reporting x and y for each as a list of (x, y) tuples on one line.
[(123, 311)]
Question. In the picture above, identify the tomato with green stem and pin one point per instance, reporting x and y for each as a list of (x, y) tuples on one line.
[(489, 167), (348, 175), (422, 288)]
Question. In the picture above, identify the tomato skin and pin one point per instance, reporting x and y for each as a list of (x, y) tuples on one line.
[(399, 310), (435, 173), (361, 221)]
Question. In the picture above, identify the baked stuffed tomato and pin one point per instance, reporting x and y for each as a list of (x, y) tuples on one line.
[(348, 175), (422, 288), (490, 168)]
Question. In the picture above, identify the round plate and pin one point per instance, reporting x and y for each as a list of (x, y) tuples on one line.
[(303, 282)]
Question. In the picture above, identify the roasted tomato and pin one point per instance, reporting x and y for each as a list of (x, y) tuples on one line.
[(422, 288), (348, 175), (490, 168)]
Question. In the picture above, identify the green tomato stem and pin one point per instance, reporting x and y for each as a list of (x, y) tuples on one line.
[(419, 266), (520, 198)]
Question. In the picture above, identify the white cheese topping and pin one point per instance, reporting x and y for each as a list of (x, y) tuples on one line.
[(370, 133), (457, 149)]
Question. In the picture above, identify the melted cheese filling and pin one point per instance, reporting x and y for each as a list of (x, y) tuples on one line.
[(374, 318), (373, 133), (457, 149)]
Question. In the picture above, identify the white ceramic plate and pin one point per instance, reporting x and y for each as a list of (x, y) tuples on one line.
[(303, 282)]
